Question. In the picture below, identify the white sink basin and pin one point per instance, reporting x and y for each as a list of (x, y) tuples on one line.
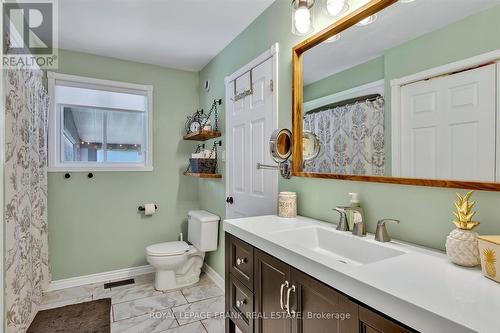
[(331, 245)]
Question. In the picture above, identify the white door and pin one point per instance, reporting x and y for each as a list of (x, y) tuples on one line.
[(250, 122), (448, 126)]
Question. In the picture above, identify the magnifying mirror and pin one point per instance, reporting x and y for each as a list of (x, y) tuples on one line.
[(310, 146), (280, 145)]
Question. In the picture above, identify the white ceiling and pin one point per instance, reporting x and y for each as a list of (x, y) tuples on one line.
[(395, 25), (182, 34)]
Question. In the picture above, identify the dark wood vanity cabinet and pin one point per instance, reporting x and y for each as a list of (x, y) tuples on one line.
[(272, 297)]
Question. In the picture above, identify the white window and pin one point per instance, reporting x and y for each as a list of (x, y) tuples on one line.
[(99, 125)]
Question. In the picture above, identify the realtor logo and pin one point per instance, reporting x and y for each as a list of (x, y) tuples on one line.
[(30, 34)]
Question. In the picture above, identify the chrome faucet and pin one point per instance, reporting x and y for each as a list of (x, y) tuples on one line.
[(381, 234), (342, 225)]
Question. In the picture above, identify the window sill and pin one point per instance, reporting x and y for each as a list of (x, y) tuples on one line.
[(99, 169)]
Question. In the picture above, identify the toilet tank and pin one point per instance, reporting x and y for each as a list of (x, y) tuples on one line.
[(203, 230)]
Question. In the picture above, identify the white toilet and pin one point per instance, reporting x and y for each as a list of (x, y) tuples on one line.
[(178, 264)]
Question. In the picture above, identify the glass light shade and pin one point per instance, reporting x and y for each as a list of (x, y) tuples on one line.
[(336, 7), (367, 20), (302, 17), (332, 39)]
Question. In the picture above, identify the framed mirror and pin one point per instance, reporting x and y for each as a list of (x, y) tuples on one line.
[(404, 92)]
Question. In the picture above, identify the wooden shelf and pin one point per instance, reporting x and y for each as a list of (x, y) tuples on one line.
[(203, 175), (202, 135)]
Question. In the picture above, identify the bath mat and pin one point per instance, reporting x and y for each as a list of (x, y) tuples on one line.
[(88, 317)]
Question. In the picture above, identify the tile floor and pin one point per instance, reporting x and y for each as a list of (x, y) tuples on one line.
[(139, 308)]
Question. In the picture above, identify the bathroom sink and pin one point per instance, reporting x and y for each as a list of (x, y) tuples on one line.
[(334, 246)]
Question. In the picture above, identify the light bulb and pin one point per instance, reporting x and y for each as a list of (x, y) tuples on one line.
[(302, 20), (368, 20), (336, 7)]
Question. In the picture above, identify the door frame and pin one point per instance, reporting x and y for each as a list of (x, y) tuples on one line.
[(271, 53), (396, 86)]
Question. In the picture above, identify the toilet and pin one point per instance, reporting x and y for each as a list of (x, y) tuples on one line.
[(177, 263)]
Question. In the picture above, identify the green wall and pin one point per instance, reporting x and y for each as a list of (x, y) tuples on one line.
[(425, 212), (94, 225), (367, 72)]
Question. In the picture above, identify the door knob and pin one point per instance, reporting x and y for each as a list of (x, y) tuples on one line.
[(229, 200)]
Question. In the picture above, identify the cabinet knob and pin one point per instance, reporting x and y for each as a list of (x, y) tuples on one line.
[(240, 261), (240, 303), (229, 200)]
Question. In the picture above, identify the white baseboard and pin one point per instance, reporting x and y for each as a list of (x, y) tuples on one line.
[(99, 277), (121, 274), (219, 281)]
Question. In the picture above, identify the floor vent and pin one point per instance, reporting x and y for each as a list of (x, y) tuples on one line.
[(118, 283)]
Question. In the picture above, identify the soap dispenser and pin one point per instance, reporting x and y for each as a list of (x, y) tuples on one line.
[(356, 214)]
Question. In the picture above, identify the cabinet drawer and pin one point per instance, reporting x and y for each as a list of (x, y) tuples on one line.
[(371, 322), (241, 261), (241, 305)]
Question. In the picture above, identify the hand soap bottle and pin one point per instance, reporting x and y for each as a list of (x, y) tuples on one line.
[(356, 213)]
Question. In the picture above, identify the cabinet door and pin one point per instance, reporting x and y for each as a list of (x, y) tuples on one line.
[(270, 275), (319, 308)]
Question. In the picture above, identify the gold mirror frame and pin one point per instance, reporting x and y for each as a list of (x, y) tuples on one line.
[(298, 50)]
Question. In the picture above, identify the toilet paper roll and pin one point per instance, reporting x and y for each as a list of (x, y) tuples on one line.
[(149, 209)]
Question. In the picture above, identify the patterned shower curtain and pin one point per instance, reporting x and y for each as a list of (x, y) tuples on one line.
[(351, 138), (27, 269)]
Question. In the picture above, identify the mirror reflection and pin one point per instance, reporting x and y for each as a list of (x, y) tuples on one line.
[(410, 92)]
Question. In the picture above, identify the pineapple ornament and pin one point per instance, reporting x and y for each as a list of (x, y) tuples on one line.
[(490, 261), (461, 244)]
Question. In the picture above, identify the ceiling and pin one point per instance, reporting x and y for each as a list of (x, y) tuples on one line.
[(395, 25), (181, 34)]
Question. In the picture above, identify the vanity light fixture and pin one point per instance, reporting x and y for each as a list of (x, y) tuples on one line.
[(302, 17), (336, 7), (366, 21), (332, 39)]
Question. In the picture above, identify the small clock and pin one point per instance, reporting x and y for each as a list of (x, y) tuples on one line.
[(195, 126)]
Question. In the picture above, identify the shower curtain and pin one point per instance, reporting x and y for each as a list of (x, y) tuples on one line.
[(351, 138), (26, 241)]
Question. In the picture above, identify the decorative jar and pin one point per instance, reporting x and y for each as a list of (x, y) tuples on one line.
[(287, 204)]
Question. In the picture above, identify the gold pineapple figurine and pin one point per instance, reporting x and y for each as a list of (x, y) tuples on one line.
[(464, 212), (461, 244), (490, 261)]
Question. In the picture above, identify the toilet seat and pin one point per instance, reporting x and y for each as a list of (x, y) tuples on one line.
[(167, 249)]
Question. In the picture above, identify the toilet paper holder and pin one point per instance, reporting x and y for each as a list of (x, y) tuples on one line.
[(142, 208)]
